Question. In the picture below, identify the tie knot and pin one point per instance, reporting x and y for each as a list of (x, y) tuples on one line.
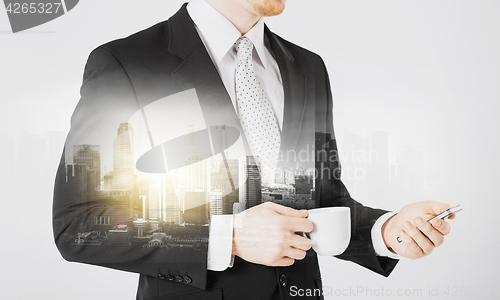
[(244, 47)]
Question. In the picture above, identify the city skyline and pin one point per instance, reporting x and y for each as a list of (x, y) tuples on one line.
[(139, 205)]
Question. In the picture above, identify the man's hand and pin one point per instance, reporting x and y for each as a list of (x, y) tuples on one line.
[(265, 234), (419, 238)]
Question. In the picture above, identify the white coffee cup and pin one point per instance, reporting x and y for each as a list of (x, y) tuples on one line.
[(332, 230)]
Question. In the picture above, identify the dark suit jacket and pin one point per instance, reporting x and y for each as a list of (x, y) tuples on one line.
[(127, 74)]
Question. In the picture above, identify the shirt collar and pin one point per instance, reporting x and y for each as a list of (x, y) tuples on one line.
[(220, 34)]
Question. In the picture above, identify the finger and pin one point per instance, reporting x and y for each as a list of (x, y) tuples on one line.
[(284, 262), (299, 224), (301, 242), (422, 241), (435, 236), (295, 253), (436, 208), (442, 226), (412, 249), (287, 211)]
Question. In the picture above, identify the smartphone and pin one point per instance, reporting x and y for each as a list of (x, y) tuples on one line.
[(443, 215), (447, 213)]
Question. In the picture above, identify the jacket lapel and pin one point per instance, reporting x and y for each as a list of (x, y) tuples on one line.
[(294, 85), (198, 71)]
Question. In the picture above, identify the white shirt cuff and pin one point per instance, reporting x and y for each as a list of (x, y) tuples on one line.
[(220, 243), (378, 240)]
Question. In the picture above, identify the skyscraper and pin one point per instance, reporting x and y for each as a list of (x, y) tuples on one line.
[(215, 198), (230, 185), (224, 174), (76, 185), (170, 202), (196, 173), (80, 184), (196, 179), (142, 182), (154, 201), (196, 208), (250, 186), (216, 185), (123, 161), (219, 140), (303, 184), (378, 168), (89, 155)]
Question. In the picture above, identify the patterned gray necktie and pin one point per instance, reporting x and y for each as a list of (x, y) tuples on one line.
[(256, 113)]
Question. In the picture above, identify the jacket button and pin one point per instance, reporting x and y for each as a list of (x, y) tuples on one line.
[(170, 278), (161, 276), (188, 279), (179, 278), (283, 280)]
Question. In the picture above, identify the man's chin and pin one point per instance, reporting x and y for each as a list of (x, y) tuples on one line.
[(268, 8)]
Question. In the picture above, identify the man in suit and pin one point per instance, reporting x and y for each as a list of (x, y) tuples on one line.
[(255, 254)]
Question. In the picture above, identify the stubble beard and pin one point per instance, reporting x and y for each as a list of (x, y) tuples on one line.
[(267, 8)]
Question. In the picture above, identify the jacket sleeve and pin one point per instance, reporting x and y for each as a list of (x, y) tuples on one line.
[(334, 193), (92, 222)]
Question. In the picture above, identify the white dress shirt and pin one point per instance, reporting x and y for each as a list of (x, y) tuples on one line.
[(218, 35)]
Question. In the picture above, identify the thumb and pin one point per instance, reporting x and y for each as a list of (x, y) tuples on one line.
[(288, 211), (436, 208)]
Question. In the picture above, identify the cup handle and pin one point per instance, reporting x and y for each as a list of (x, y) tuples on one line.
[(304, 234)]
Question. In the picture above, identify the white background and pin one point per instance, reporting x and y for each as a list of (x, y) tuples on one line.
[(425, 72)]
